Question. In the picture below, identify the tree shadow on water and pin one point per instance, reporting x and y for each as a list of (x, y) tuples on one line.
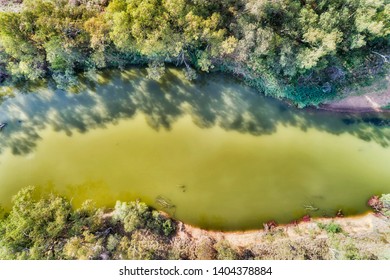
[(212, 100)]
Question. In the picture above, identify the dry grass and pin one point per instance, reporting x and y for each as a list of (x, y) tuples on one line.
[(11, 5), (364, 237)]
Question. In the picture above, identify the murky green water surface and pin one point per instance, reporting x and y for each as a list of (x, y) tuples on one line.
[(224, 156)]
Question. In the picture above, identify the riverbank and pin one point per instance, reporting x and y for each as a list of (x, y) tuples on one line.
[(50, 228), (350, 99), (374, 98), (362, 237)]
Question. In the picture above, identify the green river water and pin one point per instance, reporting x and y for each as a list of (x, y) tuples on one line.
[(226, 157)]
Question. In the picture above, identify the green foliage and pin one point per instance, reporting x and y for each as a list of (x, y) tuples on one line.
[(47, 227), (309, 95), (331, 228), (46, 37), (137, 215), (306, 45), (142, 246), (385, 199), (156, 70), (31, 228), (84, 247), (304, 51), (351, 252), (168, 227), (225, 251), (35, 229), (190, 73), (134, 215), (167, 30), (87, 217), (112, 242)]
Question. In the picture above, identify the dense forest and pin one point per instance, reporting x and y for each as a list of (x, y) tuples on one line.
[(50, 227), (303, 50)]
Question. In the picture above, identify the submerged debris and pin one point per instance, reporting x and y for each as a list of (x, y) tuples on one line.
[(2, 125), (340, 213), (165, 203), (270, 225), (310, 207)]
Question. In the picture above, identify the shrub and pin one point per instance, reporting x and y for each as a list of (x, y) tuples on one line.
[(385, 200), (134, 215), (204, 249), (142, 245), (84, 247), (352, 252), (225, 251), (32, 227), (331, 228), (112, 242), (386, 107), (375, 203), (137, 215)]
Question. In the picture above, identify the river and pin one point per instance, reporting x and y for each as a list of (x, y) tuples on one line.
[(212, 153)]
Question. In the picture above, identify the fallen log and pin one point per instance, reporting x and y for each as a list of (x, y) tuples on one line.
[(2, 125)]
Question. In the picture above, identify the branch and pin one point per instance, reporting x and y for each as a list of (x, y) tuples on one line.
[(384, 57)]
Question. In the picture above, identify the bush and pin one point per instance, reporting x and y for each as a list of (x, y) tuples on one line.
[(133, 215), (331, 228), (386, 107), (385, 199), (304, 96), (352, 252), (137, 215), (32, 227), (225, 251), (84, 247), (204, 249), (142, 245), (40, 228)]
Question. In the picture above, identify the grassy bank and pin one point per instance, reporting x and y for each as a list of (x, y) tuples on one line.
[(49, 228)]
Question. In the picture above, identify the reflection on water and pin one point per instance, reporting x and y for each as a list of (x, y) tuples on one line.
[(223, 155)]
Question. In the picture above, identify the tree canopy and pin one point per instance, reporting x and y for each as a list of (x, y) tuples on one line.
[(50, 228), (312, 44)]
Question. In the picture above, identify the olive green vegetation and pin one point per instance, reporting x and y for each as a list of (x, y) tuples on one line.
[(300, 50), (49, 228), (332, 227), (385, 200)]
